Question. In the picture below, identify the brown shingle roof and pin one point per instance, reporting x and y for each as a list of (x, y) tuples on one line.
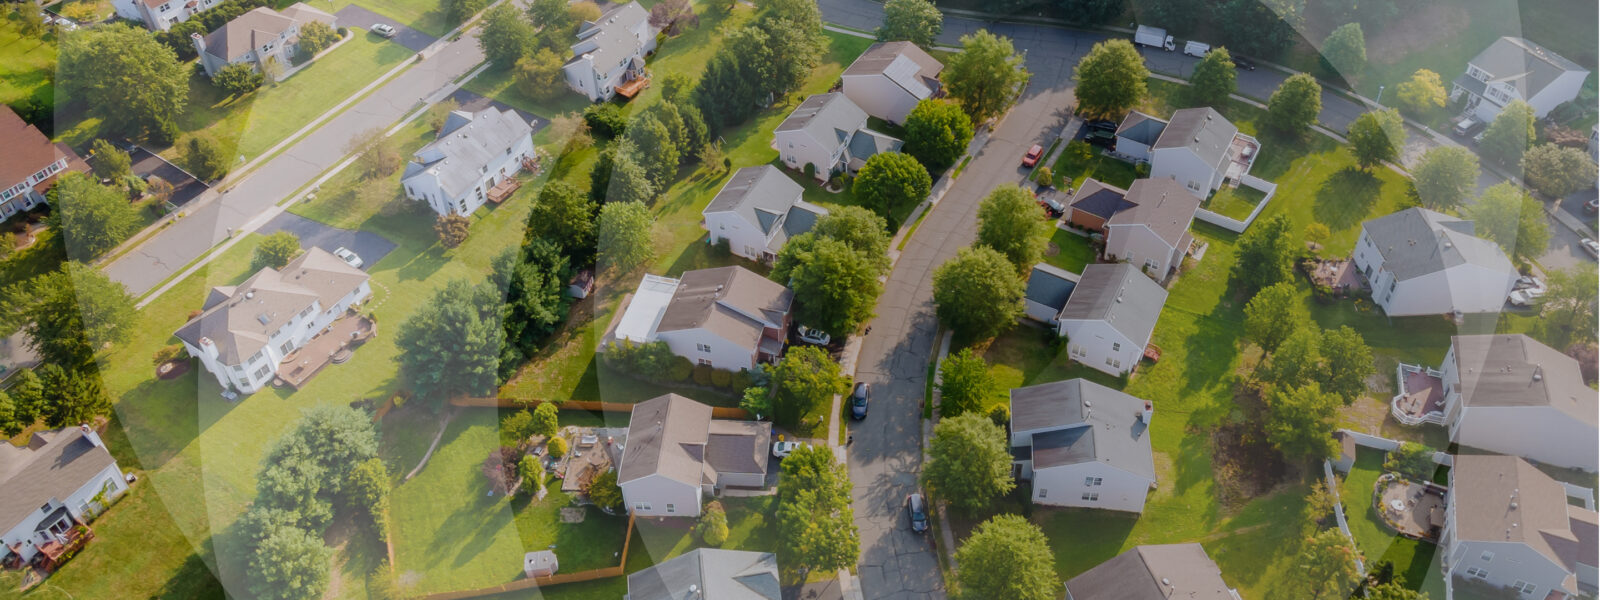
[(26, 151), (667, 436), (246, 33), (732, 302), (1160, 204), (1505, 499), (1516, 370), (240, 319)]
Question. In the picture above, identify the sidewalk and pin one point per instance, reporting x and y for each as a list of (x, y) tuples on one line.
[(947, 537)]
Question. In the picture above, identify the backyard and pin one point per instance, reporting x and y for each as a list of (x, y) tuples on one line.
[(1234, 202), (1412, 559), (27, 66), (1068, 250)]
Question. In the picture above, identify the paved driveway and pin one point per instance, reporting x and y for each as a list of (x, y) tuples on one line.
[(184, 186), (356, 17), (371, 247)]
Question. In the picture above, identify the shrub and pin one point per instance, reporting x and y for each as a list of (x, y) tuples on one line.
[(721, 378), (680, 370), (1412, 460), (1000, 415), (713, 525), (168, 353), (702, 374), (557, 447), (603, 491), (1044, 176), (452, 229), (605, 120)]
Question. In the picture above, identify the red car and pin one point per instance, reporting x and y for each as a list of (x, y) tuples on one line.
[(1032, 157)]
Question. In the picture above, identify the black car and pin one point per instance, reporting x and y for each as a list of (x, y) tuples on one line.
[(1103, 139), (1244, 63), (858, 401), (1052, 204), (1101, 125), (917, 509)]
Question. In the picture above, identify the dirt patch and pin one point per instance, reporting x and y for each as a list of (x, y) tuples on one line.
[(1417, 30), (573, 514), (1243, 463), (337, 537)]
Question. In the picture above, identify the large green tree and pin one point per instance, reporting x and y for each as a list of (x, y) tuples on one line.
[(1007, 557), (965, 384), (275, 251), (794, 36), (1557, 171), (1423, 93), (861, 229), (451, 345), (565, 215), (533, 281), (915, 21), (805, 378), (835, 286), (977, 294), (1376, 137), (290, 564), (1347, 363), (1513, 219), (1445, 177), (238, 79), (1297, 359), (70, 314), (1346, 50), (111, 162), (626, 234), (1294, 106), (654, 149), (1301, 420), (815, 520), (1510, 134), (1214, 78), (1010, 221), (539, 75), (205, 157), (1111, 79), (937, 132), (732, 88), (505, 36), (1326, 567), (1273, 314), (1568, 313), (458, 11), (1265, 254), (890, 181), (91, 218), (969, 461), (71, 396), (986, 76), (124, 76)]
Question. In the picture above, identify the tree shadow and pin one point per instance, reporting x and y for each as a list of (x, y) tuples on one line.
[(1345, 198), (193, 579)]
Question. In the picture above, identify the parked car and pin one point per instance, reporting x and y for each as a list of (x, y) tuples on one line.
[(1103, 139), (1101, 125), (349, 258), (1052, 204), (782, 449), (813, 336), (1467, 126), (917, 510), (1525, 297), (1529, 282), (1591, 247), (384, 29), (66, 24), (1032, 157), (858, 401), (1240, 62), (1196, 49), (1593, 205)]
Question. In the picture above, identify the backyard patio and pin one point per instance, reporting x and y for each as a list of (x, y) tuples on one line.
[(1416, 510), (334, 345)]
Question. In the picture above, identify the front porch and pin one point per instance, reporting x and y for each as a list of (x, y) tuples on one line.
[(335, 344), (1421, 396)]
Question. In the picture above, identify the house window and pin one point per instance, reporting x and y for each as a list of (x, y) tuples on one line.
[(1091, 496), (703, 347), (1079, 352), (1524, 588), (704, 361), (1486, 556), (262, 372), (1092, 481), (1108, 362), (286, 347), (1116, 346), (672, 508), (1043, 493), (307, 311), (45, 508), (1480, 573), (641, 506)]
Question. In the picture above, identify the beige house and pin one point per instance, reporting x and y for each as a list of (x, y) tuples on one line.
[(1152, 230), (677, 455), (729, 317), (890, 78), (1162, 572), (1510, 526), (257, 38)]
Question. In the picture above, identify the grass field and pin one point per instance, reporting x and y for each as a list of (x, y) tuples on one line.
[(1068, 250), (1412, 559), (1070, 171), (27, 66), (1235, 203)]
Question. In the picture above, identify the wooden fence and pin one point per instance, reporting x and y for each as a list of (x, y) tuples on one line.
[(538, 582), (718, 412)]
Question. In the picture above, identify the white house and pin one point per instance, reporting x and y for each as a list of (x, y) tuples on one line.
[(1198, 148), (1420, 262), (60, 480), (609, 56), (890, 78), (677, 454), (757, 211), (1137, 135), (1510, 526), (1159, 572), (474, 159), (1049, 287), (729, 317), (29, 163), (161, 15), (709, 574), (1109, 316), (1514, 68), (245, 331), (1152, 230), (1082, 445), (829, 133), (257, 37)]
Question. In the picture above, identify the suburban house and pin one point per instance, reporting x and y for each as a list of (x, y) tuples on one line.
[(1094, 203), (1514, 68), (1420, 262), (757, 211), (1083, 445), (1152, 232), (474, 159), (890, 78), (1510, 526), (161, 15), (49, 489), (29, 163), (1508, 394), (729, 317), (677, 454), (1198, 148), (1109, 316), (829, 133), (257, 37), (1049, 287), (1156, 572), (1137, 135), (608, 59), (245, 333), (709, 574)]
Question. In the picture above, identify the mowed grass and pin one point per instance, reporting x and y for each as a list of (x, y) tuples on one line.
[(1068, 250), (1235, 203), (1412, 559), (422, 15), (27, 65)]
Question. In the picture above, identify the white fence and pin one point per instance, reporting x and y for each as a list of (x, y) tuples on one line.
[(1388, 445), (1235, 225)]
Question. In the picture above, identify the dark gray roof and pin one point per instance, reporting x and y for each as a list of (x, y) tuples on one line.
[(1471, 84), (907, 65), (1418, 241), (1120, 295), (760, 195), (30, 477), (828, 118), (1160, 204), (1153, 573), (1099, 199), (1063, 447), (1077, 421), (866, 143), (1203, 131), (1141, 128), (1517, 370), (666, 435), (738, 446), (612, 36), (709, 574), (1050, 286), (1525, 65), (802, 216)]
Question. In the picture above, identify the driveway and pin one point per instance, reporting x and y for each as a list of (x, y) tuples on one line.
[(184, 186), (371, 247), (356, 17), (472, 102)]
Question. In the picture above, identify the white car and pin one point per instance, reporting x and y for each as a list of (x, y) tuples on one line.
[(348, 257), (1591, 247), (384, 29), (1525, 297), (813, 336), (1529, 282), (782, 449)]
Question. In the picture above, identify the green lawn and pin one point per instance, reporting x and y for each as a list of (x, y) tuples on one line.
[(1412, 559), (1068, 171), (1235, 203), (421, 15), (27, 65), (1068, 250)]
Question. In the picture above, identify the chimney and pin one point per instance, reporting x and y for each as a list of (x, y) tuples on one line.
[(199, 42), (1148, 412), (89, 434)]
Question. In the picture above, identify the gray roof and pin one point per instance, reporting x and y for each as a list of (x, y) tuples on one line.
[(1472, 84), (1517, 370), (466, 145), (828, 118), (612, 36), (1078, 421), (240, 319), (1203, 131), (30, 477), (1417, 241), (738, 446), (728, 301), (1506, 499), (1160, 204), (1099, 199), (711, 574), (1050, 285), (1153, 573), (904, 63), (866, 143), (760, 195), (667, 436), (800, 219), (246, 32), (1525, 65), (1120, 295), (1141, 128)]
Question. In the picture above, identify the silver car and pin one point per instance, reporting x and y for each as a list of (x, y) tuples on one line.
[(349, 258)]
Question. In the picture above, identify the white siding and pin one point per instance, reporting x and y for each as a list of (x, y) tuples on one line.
[(1132, 149), (797, 149), (1187, 169), (880, 96), (650, 496), (1538, 433), (1066, 485), (1467, 288), (1141, 247), (1040, 312), (109, 479), (744, 238), (1093, 342), (723, 354), (1509, 563), (1563, 89)]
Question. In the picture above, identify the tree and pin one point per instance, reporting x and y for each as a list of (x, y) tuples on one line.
[(606, 120), (628, 182), (1294, 106), (1213, 79), (892, 180), (986, 76), (1009, 221), (936, 131), (290, 564), (835, 286), (557, 447), (1274, 313), (71, 396), (205, 157), (964, 384), (1513, 219), (1556, 171), (1326, 567), (1423, 93), (804, 378), (1510, 134), (70, 314), (1111, 79), (1413, 460), (458, 11), (713, 525), (539, 75), (545, 420), (1265, 254), (730, 90), (238, 79), (977, 294), (316, 36), (451, 345), (505, 36), (1301, 420), (1346, 50), (271, 71), (125, 77), (377, 154), (915, 21), (551, 16), (794, 36), (1258, 27), (27, 397), (1007, 557), (518, 425), (654, 149), (757, 401), (1394, 590), (452, 229), (860, 229), (368, 491), (677, 88), (92, 218), (110, 162), (1567, 314), (1376, 137), (604, 492), (969, 461), (1348, 363), (565, 215), (584, 11), (275, 251), (815, 520), (1445, 176), (1296, 360), (625, 231), (534, 282), (672, 16), (9, 424), (1317, 233)]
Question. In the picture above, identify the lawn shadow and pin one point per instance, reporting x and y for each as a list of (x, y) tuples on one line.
[(1345, 198), (193, 579), (1069, 528)]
